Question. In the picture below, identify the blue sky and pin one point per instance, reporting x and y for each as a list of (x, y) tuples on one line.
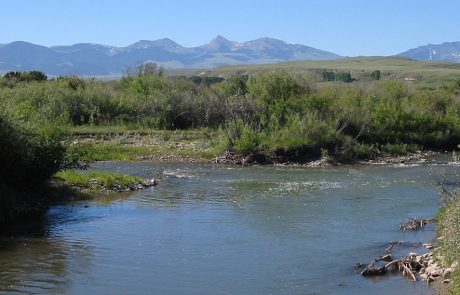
[(346, 27)]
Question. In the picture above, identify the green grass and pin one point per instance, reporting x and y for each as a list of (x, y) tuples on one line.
[(97, 180), (115, 143), (393, 68), (449, 244)]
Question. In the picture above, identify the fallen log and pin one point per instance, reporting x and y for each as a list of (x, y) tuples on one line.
[(371, 270)]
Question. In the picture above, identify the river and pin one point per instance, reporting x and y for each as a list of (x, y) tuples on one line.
[(209, 229)]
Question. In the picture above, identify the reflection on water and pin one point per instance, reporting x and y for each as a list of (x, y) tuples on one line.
[(225, 230), (33, 261)]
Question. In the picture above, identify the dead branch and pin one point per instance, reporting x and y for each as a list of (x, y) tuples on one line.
[(414, 224)]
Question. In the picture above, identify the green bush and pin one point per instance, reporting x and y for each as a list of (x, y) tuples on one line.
[(248, 142), (30, 155)]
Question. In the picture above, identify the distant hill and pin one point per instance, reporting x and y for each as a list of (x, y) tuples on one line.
[(391, 68), (95, 59), (449, 51)]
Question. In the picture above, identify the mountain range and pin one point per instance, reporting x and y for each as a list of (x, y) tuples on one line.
[(95, 59), (88, 59), (448, 51)]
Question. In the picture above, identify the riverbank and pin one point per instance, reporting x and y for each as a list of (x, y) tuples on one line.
[(207, 146), (117, 144), (448, 249)]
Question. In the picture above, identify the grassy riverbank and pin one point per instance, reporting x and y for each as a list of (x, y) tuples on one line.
[(99, 182), (449, 239)]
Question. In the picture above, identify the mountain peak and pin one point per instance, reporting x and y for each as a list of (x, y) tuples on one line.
[(164, 43), (220, 43), (141, 44), (220, 38)]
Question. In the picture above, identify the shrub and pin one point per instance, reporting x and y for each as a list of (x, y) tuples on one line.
[(30, 155)]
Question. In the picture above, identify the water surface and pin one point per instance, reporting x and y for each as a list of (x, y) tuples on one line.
[(226, 230)]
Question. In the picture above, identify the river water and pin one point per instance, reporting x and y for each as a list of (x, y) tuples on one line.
[(227, 230)]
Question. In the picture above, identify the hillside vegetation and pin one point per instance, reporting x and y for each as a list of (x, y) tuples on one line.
[(282, 115)]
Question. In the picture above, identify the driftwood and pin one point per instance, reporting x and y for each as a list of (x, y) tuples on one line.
[(414, 224), (406, 266), (389, 249), (409, 266), (407, 271), (413, 265)]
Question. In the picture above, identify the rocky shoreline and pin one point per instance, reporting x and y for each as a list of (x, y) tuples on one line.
[(232, 158)]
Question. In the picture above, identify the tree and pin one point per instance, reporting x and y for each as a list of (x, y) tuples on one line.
[(26, 76), (375, 75), (328, 75), (344, 77), (146, 69)]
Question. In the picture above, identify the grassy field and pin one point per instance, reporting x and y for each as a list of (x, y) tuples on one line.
[(392, 68)]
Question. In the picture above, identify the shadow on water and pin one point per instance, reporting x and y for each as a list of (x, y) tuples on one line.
[(34, 261)]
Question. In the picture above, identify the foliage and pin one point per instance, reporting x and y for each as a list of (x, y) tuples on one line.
[(337, 76), (206, 80), (246, 140), (26, 76), (375, 75), (344, 77), (328, 75), (257, 113), (30, 155)]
